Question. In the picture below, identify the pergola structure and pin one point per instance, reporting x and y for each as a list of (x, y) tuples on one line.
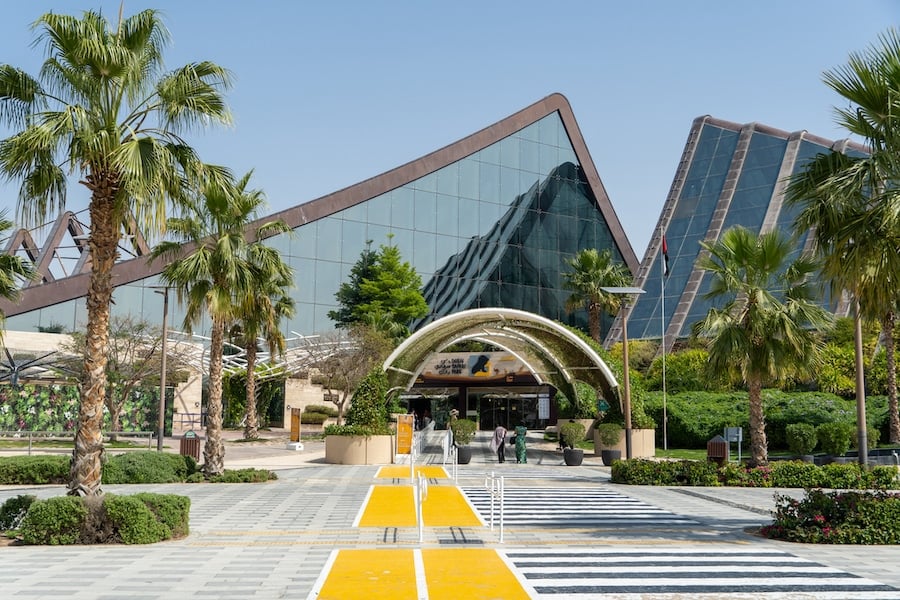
[(553, 354)]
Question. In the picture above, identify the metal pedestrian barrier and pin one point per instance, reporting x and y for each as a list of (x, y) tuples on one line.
[(421, 493), (495, 485)]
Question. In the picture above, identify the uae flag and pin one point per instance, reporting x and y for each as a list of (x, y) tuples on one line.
[(665, 253)]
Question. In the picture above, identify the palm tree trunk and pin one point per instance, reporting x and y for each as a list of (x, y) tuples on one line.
[(214, 450), (759, 453), (594, 321), (251, 424), (887, 328), (85, 474)]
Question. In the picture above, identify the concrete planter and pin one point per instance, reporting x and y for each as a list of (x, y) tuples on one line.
[(359, 450), (643, 443)]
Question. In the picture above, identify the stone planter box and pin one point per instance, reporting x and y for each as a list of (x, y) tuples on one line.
[(643, 443), (359, 450)]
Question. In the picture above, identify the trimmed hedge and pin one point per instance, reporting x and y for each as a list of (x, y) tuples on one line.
[(140, 519), (781, 474), (132, 467), (148, 467), (837, 518), (322, 409), (37, 470), (695, 417)]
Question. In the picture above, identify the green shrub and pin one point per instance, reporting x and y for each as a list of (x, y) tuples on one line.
[(133, 522), (34, 470), (796, 474), (739, 475), (171, 510), (13, 511), (464, 430), (777, 474), (584, 407), (801, 438), (138, 519), (368, 407), (835, 438), (148, 467), (696, 417), (244, 476), (837, 518), (322, 409), (313, 418), (647, 472), (54, 521), (609, 434), (571, 433), (686, 371)]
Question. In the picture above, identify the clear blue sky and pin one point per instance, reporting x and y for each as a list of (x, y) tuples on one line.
[(330, 93)]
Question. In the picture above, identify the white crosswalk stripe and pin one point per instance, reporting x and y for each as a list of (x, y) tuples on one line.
[(660, 573), (572, 507)]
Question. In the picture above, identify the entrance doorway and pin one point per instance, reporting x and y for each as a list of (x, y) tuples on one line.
[(508, 409)]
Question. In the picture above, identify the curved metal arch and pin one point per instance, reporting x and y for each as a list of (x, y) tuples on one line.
[(548, 340)]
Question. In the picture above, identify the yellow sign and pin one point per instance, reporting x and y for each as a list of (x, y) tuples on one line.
[(295, 424), (404, 434)]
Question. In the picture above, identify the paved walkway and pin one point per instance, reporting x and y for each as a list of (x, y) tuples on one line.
[(568, 533)]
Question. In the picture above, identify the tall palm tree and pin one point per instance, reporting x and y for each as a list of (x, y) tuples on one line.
[(103, 108), (260, 312), (216, 274), (767, 326), (13, 271), (593, 270), (852, 203)]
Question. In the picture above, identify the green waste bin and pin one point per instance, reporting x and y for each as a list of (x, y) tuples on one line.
[(190, 445)]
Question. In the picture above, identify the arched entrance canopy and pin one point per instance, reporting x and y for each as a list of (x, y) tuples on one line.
[(553, 354)]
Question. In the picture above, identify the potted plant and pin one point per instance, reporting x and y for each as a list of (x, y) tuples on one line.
[(609, 435), (570, 434), (835, 439), (463, 432), (802, 440), (365, 437)]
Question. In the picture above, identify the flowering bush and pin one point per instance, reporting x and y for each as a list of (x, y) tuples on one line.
[(837, 518)]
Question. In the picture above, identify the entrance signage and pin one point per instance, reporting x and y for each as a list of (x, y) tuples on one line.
[(404, 434), (480, 367)]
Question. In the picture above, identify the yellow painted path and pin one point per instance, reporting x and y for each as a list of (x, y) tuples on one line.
[(401, 472), (394, 506), (445, 574)]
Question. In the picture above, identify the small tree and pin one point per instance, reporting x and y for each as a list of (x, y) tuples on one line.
[(134, 361), (341, 373), (383, 288), (367, 411)]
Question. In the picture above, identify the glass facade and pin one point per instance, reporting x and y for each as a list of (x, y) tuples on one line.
[(491, 229), (693, 214)]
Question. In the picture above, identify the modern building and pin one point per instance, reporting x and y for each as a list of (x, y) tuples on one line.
[(487, 221), (729, 174)]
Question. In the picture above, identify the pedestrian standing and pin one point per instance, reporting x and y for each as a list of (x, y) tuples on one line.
[(521, 432), (498, 442)]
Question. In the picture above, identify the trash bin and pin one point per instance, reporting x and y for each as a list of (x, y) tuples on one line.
[(190, 445), (717, 450)]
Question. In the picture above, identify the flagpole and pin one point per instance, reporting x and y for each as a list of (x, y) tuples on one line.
[(662, 300)]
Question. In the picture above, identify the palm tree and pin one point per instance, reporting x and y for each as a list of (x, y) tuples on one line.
[(215, 276), (102, 108), (13, 270), (592, 271), (260, 313), (851, 203), (766, 327)]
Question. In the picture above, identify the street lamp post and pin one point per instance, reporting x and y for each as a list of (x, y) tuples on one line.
[(626, 383), (162, 375)]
